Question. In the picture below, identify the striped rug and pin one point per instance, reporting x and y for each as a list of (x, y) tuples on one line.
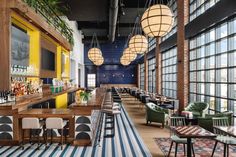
[(126, 143)]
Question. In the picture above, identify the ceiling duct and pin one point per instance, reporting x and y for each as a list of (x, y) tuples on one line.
[(113, 13)]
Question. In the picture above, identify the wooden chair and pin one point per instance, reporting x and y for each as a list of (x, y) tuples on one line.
[(178, 121), (221, 137)]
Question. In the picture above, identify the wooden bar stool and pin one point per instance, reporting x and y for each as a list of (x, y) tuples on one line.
[(55, 123), (31, 124)]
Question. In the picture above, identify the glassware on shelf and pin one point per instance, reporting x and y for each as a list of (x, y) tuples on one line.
[(6, 97)]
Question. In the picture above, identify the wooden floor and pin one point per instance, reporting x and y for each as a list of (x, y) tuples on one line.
[(136, 111)]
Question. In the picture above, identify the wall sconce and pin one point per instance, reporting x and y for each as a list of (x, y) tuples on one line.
[(132, 75)]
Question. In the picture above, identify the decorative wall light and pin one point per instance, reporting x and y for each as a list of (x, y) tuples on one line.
[(138, 43), (157, 20)]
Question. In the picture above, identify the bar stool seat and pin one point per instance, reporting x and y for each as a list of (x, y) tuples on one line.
[(55, 123), (31, 124)]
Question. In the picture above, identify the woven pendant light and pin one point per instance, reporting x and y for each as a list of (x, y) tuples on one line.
[(124, 61), (129, 54), (94, 53), (157, 20), (138, 44), (99, 61)]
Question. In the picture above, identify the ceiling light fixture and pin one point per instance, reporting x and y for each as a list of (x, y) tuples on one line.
[(95, 53), (138, 43), (157, 20)]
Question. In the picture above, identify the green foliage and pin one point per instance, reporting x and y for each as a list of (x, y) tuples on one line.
[(85, 95), (51, 10)]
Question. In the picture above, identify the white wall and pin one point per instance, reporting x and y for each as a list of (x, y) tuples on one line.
[(77, 54)]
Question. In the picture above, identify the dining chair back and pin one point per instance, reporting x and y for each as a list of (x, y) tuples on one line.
[(219, 121), (174, 122), (177, 121)]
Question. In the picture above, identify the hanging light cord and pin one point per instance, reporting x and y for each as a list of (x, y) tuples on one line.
[(94, 42)]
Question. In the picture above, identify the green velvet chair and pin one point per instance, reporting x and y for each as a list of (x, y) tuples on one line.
[(199, 109), (207, 123), (156, 114)]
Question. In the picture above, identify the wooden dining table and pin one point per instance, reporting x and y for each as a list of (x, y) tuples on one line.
[(190, 132)]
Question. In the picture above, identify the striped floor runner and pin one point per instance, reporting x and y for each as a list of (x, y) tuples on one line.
[(126, 143)]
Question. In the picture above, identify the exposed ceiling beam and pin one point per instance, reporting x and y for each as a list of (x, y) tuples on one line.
[(101, 39), (92, 24)]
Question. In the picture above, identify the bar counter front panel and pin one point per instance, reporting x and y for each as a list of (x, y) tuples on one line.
[(82, 119)]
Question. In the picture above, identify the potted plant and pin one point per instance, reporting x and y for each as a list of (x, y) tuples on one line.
[(82, 97)]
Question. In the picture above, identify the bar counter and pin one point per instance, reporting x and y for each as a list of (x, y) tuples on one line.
[(82, 118)]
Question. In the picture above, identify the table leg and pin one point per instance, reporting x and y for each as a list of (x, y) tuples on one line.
[(189, 147)]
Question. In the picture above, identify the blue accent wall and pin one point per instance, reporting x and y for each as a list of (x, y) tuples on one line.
[(111, 72)]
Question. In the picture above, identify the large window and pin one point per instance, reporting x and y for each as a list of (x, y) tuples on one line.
[(169, 73), (141, 76), (91, 80), (151, 43), (173, 6), (213, 67), (152, 75), (198, 7)]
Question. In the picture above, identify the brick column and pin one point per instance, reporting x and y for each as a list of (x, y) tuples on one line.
[(138, 76), (182, 54), (145, 72), (158, 66)]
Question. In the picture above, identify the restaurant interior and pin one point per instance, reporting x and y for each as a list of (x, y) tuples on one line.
[(117, 78)]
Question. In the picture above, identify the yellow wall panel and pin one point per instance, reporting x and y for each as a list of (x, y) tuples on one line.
[(59, 49), (61, 101), (34, 57)]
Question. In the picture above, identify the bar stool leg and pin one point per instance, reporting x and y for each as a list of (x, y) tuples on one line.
[(30, 141), (51, 136), (62, 130), (22, 142), (46, 138), (38, 141)]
